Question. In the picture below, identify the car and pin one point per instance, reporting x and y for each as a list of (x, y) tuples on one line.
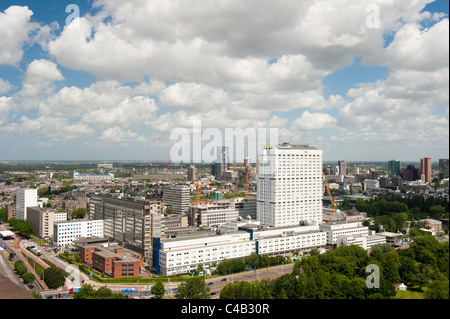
[(213, 293), (224, 279), (50, 297), (30, 286), (210, 283)]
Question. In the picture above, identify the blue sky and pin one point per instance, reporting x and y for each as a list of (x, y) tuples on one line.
[(116, 82)]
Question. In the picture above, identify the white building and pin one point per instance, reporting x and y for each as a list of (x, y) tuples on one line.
[(176, 256), (371, 184), (290, 185), (288, 239), (91, 177), (25, 198), (335, 229), (180, 255), (365, 242), (66, 231)]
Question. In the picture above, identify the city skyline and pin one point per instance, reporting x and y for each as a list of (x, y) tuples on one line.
[(362, 80)]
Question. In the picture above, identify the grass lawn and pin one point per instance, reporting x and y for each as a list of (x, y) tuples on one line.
[(37, 267), (410, 293)]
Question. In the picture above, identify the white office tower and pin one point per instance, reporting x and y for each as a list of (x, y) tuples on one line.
[(290, 185), (25, 198)]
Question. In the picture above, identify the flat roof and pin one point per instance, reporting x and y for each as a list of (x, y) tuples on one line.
[(7, 233), (388, 234)]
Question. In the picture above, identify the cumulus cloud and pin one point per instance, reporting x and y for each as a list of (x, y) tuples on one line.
[(15, 29), (314, 121), (5, 107), (5, 86), (237, 64), (55, 129), (38, 83)]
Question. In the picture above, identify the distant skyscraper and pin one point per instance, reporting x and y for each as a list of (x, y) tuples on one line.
[(192, 173), (410, 173), (25, 198), (425, 169), (443, 168), (342, 167), (290, 185), (222, 162), (394, 168)]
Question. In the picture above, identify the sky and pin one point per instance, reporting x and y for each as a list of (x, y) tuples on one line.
[(363, 80)]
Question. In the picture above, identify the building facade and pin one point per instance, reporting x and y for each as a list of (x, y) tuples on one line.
[(443, 168), (334, 230), (112, 261), (129, 221), (91, 177), (425, 169), (25, 198), (177, 198), (290, 185), (221, 164), (65, 232), (43, 221), (394, 168), (192, 173)]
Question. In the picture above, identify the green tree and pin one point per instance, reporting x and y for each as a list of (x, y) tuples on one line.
[(245, 290), (437, 211), (438, 290), (193, 288), (408, 269), (28, 278), (158, 290), (390, 262), (252, 260), (79, 213), (54, 277)]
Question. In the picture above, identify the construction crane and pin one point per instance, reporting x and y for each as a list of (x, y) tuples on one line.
[(197, 188), (247, 166), (333, 201)]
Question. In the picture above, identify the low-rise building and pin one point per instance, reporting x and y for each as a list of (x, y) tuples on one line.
[(65, 232), (365, 242), (434, 225), (43, 220), (184, 253), (335, 229), (113, 261)]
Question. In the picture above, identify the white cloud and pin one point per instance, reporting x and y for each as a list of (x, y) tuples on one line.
[(55, 129), (5, 86), (15, 29), (117, 135), (314, 121), (39, 83), (129, 112), (5, 107)]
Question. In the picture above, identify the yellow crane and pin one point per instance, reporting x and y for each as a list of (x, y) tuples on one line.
[(247, 166), (197, 188), (333, 201)]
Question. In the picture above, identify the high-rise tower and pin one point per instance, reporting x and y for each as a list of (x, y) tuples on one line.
[(25, 198), (425, 169), (290, 185)]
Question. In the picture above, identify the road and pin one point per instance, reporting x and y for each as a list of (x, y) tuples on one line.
[(6, 270)]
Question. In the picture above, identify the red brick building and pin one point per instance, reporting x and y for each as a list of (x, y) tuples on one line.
[(115, 261)]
